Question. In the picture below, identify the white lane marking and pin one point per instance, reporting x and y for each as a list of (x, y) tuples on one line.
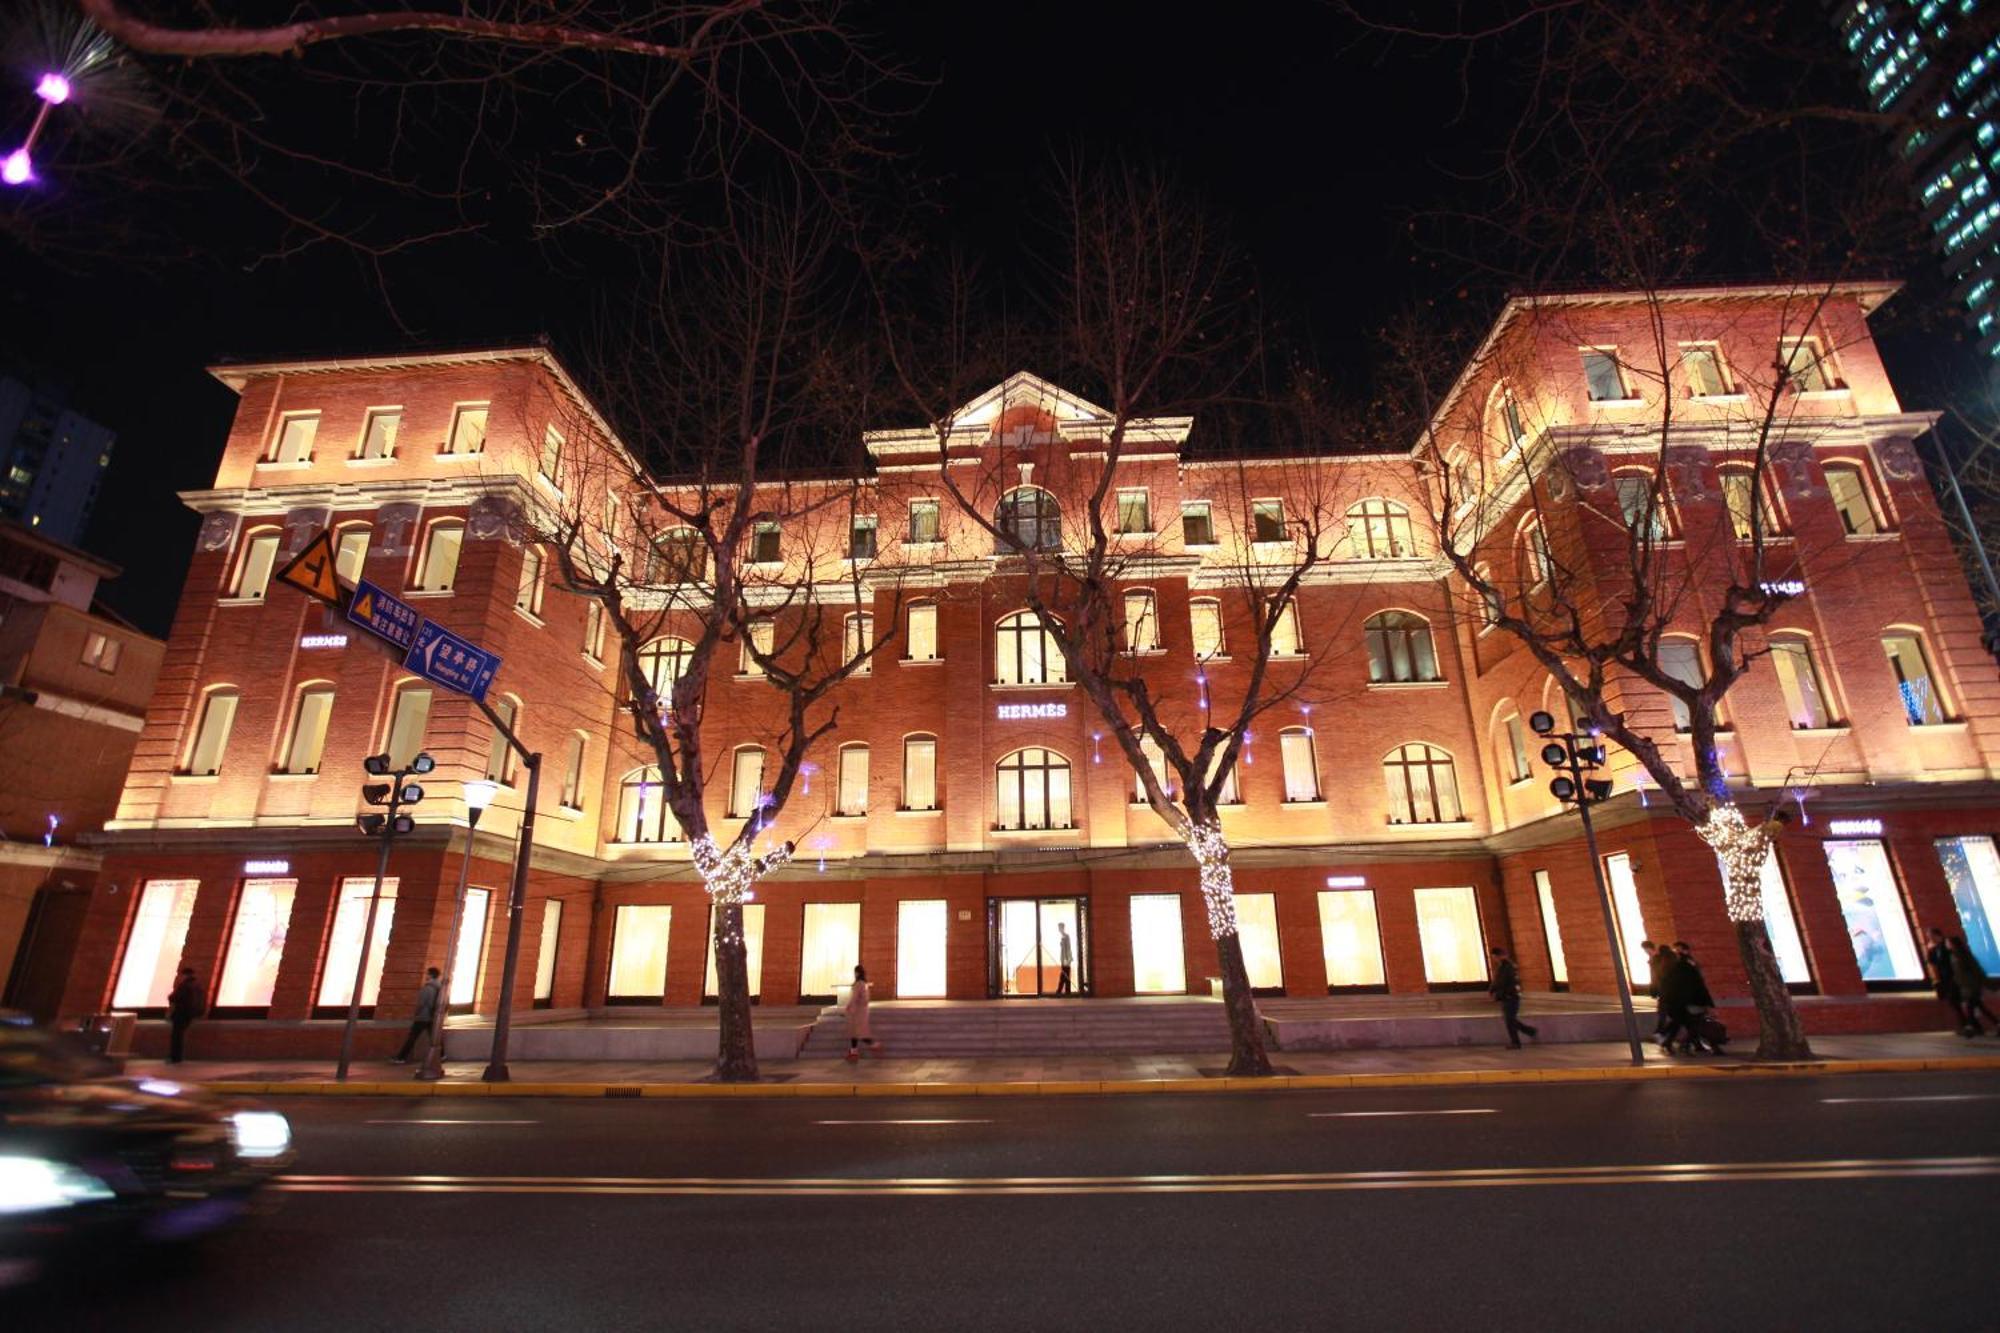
[(1369, 1115), (902, 1122), (1928, 1097), (454, 1122)]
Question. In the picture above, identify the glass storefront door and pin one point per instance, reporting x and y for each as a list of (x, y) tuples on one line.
[(1028, 941), (921, 927)]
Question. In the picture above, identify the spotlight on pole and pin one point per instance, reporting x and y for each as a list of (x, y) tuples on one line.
[(1541, 723)]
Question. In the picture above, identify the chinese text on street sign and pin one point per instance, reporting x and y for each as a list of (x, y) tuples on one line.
[(384, 616), (441, 656)]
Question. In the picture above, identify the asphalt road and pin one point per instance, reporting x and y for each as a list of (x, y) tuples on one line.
[(1856, 1202)]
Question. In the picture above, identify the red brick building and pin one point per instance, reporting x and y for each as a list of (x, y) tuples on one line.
[(966, 816)]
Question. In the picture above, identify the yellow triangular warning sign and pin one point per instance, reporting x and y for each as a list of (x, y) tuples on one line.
[(311, 570), (363, 609)]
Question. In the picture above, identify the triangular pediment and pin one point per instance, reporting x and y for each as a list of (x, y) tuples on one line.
[(1025, 409)]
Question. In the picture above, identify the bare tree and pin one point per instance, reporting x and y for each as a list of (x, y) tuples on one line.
[(725, 542)]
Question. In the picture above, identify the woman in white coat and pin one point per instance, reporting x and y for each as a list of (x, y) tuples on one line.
[(857, 1017)]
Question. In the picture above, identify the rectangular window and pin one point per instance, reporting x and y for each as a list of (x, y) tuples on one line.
[(1805, 365), (746, 784), (309, 731), (545, 956), (853, 795), (857, 637), (572, 787), (1295, 750), (406, 725), (1159, 963), (1135, 510), (1872, 905), (861, 537), (1267, 520), (763, 633), (1852, 500), (1740, 494), (153, 948), (1798, 678), (1156, 759), (1639, 506), (1779, 922), (920, 773), (1197, 524), (1350, 940), (639, 936), (1972, 871), (1257, 930), (1545, 895), (923, 521), (753, 951), (1681, 659), (295, 437), (921, 929), (343, 943), (499, 754), (593, 630), (1602, 378), (211, 737), (1142, 623), (528, 591), (378, 433), (350, 554), (1285, 640), (468, 429), (1205, 620), (249, 974), (1448, 929), (1630, 919), (441, 557), (253, 575), (550, 463), (766, 545), (830, 951), (921, 640), (1921, 704), (1702, 364), (100, 651), (1519, 768), (471, 949)]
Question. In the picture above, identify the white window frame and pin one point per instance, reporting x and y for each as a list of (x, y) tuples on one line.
[(920, 632), (308, 731), (468, 424), (208, 745), (746, 781), (448, 580), (851, 781), (1301, 765), (390, 419), (284, 441), (920, 771)]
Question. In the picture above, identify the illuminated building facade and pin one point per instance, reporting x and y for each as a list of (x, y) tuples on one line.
[(967, 821)]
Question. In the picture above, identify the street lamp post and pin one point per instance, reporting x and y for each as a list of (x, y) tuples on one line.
[(478, 795), (386, 827), (1571, 756), (517, 898)]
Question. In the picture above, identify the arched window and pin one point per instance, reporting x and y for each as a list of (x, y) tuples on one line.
[(643, 815), (1505, 423), (856, 638), (1205, 620), (1032, 790), (1492, 601), (307, 741), (1513, 743), (1854, 499), (677, 557), (1744, 497), (253, 567), (1285, 639), (350, 552), (1806, 699), (746, 782), (1029, 520), (1422, 785), (1538, 567), (664, 661), (1295, 752), (439, 568), (1379, 530), (1024, 653), (851, 798), (572, 782), (211, 732), (528, 596), (1399, 647), (407, 723), (500, 755), (1643, 508), (920, 772), (1680, 658), (1142, 622), (1923, 704), (1157, 759)]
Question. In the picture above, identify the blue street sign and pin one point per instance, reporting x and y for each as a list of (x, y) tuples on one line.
[(441, 656), (385, 616)]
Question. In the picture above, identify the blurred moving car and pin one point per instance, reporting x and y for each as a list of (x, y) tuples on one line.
[(91, 1158)]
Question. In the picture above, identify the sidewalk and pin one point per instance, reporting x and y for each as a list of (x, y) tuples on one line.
[(1060, 1074)]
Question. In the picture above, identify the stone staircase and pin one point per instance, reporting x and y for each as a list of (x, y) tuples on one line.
[(974, 1029)]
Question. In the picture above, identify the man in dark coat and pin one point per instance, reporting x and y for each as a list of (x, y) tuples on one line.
[(420, 1021), (1506, 988), (183, 1007), (1944, 981), (1658, 963), (1686, 996)]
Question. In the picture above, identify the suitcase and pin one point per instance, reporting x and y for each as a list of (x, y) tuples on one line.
[(1711, 1030)]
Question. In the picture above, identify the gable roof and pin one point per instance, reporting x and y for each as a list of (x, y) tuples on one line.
[(1075, 417)]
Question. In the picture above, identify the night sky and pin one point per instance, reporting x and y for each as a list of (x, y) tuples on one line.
[(1316, 146)]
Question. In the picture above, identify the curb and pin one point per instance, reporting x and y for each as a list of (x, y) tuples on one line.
[(1110, 1087)]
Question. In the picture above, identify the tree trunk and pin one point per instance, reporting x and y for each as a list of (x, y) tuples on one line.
[(736, 1045), (1246, 1030), (1780, 1036)]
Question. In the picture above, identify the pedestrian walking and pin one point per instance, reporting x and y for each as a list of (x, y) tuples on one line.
[(1658, 962), (1971, 979), (183, 1007), (1937, 957), (857, 1017), (1064, 958), (423, 1017), (1506, 989), (1687, 1000)]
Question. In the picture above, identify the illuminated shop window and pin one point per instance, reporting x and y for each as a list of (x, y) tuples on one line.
[(1025, 653), (1350, 940), (1448, 929), (1032, 790), (1626, 912), (1159, 962), (1779, 922), (1257, 929), (921, 929), (343, 943), (753, 951), (1972, 870), (1872, 905), (470, 953), (153, 946), (829, 950), (1545, 896), (545, 956), (639, 934), (256, 946)]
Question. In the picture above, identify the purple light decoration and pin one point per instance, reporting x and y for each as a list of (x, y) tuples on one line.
[(49, 838), (16, 169), (1096, 756), (53, 89)]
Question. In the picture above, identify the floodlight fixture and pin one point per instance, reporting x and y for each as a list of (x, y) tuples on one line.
[(1562, 789), (376, 793), (1554, 755), (411, 793), (1541, 722), (1597, 789), (423, 763), (378, 765)]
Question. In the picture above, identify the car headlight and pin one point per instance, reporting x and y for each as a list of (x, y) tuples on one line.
[(260, 1133), (34, 1184)]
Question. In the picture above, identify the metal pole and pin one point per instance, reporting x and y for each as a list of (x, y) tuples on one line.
[(517, 903), (433, 1065), (1972, 533), (367, 936), (1618, 972)]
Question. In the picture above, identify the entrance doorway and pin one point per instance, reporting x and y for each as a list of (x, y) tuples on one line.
[(1024, 946)]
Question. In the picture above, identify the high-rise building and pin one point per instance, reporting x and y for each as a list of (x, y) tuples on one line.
[(52, 461), (1936, 63)]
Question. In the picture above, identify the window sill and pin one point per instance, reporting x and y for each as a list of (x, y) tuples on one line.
[(1721, 732), (293, 465), (1407, 684), (594, 663), (530, 617), (419, 594), (764, 564), (650, 842), (1770, 539), (1289, 657), (453, 456), (1719, 397), (384, 461), (1137, 532), (924, 547), (239, 601), (286, 775), (1820, 733), (853, 559), (1521, 781), (1952, 726), (194, 779), (1832, 395), (749, 675), (849, 817), (920, 661), (1198, 546), (933, 810), (1886, 535), (1316, 803), (1434, 823), (564, 810), (1212, 659), (542, 480), (1032, 685), (1011, 833), (1145, 652), (1617, 402)]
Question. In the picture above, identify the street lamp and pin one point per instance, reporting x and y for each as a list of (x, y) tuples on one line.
[(385, 828), (479, 794), (1572, 756)]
